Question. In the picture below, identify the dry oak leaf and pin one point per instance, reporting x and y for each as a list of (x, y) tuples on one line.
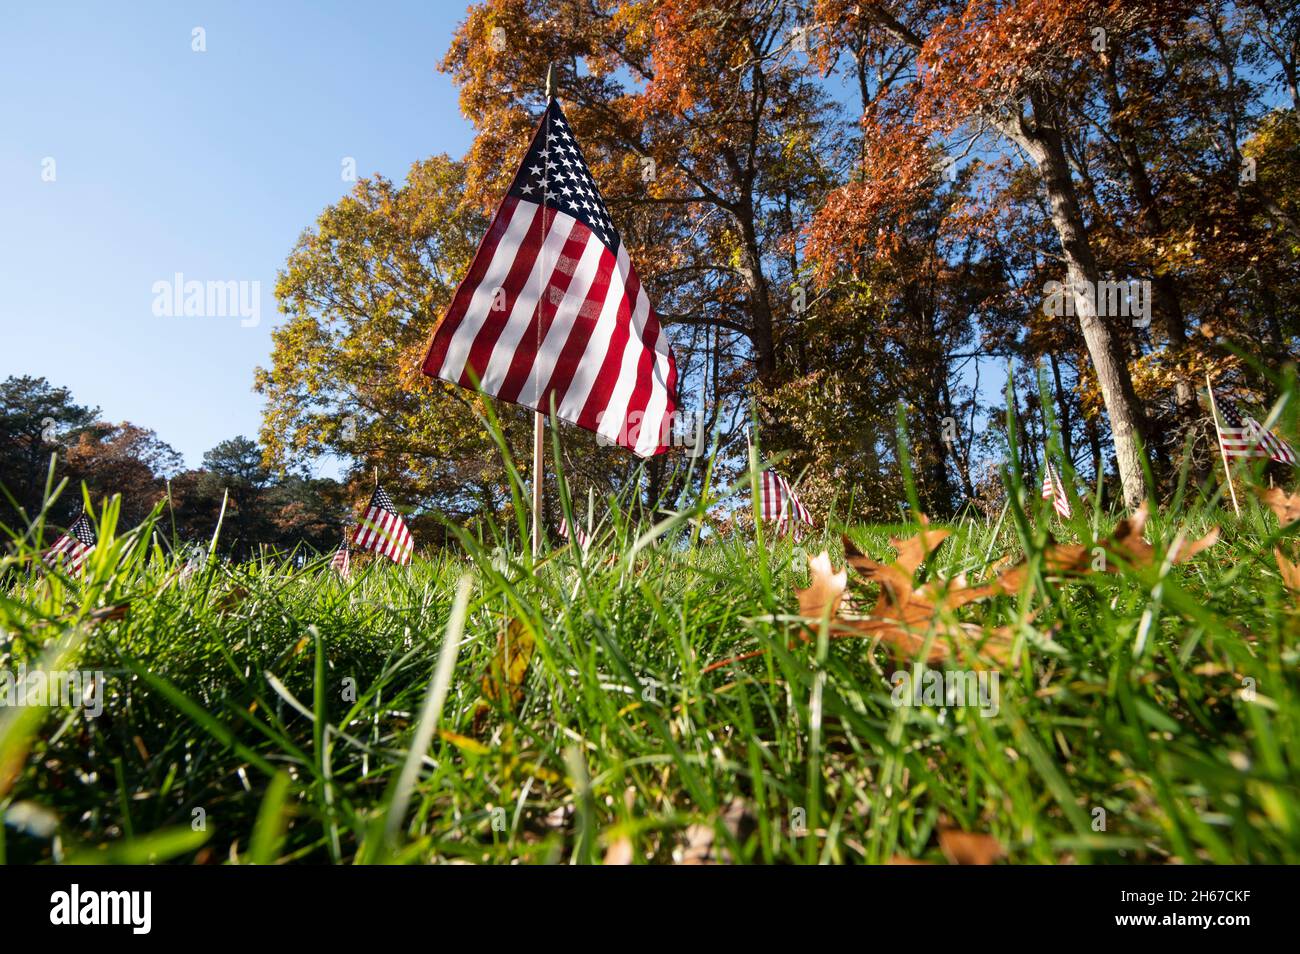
[(700, 846), (1125, 546), (1286, 506), (106, 614), (231, 599), (825, 588), (907, 615), (968, 848), (1290, 572), (504, 681)]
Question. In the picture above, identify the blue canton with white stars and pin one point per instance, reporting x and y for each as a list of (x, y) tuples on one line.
[(555, 174)]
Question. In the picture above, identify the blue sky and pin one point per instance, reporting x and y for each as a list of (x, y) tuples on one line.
[(208, 164)]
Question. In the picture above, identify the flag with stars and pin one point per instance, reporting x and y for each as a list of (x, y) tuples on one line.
[(74, 546), (383, 531), (1243, 436), (552, 309)]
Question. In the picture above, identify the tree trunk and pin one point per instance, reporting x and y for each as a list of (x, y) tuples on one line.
[(760, 305), (1042, 142), (1166, 302), (1063, 418)]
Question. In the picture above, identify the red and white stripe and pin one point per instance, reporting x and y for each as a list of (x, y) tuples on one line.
[(781, 504), (1054, 490), (342, 561), (552, 310), (1273, 446), (1242, 436), (74, 547), (381, 530), (579, 533)]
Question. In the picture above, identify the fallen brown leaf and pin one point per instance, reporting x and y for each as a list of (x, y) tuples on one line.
[(825, 588), (905, 613), (107, 614), (1125, 547), (1286, 506), (504, 681), (968, 848), (231, 599), (699, 847), (1290, 572)]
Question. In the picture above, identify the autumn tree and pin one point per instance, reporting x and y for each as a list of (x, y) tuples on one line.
[(710, 141), (36, 420), (362, 291), (968, 70)]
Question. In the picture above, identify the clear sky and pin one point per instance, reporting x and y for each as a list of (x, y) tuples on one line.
[(208, 164)]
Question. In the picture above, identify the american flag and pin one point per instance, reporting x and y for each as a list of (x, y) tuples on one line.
[(382, 530), (551, 307), (578, 532), (781, 503), (1243, 436), (341, 563), (1054, 490), (74, 546)]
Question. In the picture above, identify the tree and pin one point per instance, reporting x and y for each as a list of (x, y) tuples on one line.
[(992, 67), (710, 142), (36, 419), (126, 460), (363, 290)]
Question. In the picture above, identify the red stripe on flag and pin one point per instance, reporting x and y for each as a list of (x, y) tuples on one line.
[(518, 288), (445, 330), (597, 404), (584, 326), (526, 360)]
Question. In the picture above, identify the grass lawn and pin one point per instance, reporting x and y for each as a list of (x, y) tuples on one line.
[(264, 712)]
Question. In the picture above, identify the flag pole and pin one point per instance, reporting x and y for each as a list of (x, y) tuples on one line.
[(539, 418), (1227, 470)]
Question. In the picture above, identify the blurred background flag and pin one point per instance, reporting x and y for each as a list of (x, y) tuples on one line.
[(578, 532), (1241, 435), (74, 546), (342, 560), (781, 504), (383, 531), (1054, 490)]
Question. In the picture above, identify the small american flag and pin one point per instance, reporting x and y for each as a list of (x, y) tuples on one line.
[(382, 530), (1243, 436), (1054, 490), (782, 504), (341, 563), (551, 307), (74, 546), (583, 538)]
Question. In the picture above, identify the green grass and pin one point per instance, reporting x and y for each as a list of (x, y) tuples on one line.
[(229, 734)]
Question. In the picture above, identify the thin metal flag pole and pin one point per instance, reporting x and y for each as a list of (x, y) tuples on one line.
[(539, 417), (1218, 434)]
